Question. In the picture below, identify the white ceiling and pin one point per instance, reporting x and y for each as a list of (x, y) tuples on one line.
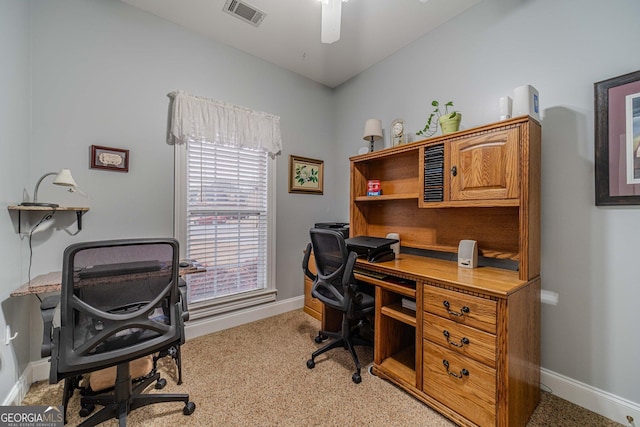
[(289, 36)]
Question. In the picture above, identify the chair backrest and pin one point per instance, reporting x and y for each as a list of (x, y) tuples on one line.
[(119, 302), (334, 267)]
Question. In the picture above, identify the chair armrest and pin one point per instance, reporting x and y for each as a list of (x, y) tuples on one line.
[(348, 280), (182, 287), (347, 276), (47, 310), (305, 263)]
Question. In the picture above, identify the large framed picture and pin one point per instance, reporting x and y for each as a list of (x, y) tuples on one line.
[(305, 175), (113, 159), (617, 140)]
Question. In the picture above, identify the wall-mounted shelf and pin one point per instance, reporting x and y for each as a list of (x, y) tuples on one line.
[(78, 210)]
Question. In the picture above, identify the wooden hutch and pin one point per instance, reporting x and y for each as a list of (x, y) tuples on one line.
[(471, 350)]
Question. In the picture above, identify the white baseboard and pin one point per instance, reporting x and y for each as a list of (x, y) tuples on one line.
[(601, 402), (201, 327), (40, 370), (21, 387)]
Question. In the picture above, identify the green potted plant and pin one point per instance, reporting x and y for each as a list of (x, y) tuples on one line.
[(449, 121)]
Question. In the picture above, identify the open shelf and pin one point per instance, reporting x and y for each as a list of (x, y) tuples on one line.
[(402, 364), (383, 197), (399, 313), (79, 210), (47, 208)]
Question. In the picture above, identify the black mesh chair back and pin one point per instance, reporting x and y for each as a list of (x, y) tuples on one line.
[(334, 268), (119, 302), (335, 286)]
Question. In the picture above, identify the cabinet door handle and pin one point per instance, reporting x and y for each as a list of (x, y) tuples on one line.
[(463, 371), (464, 341), (454, 170), (464, 310)]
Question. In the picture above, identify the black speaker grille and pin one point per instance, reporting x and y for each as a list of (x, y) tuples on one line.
[(434, 173)]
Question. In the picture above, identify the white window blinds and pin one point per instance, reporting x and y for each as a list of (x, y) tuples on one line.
[(227, 219)]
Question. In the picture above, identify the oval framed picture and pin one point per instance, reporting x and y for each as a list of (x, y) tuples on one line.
[(108, 158)]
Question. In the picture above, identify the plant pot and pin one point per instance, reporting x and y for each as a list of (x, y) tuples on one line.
[(450, 124)]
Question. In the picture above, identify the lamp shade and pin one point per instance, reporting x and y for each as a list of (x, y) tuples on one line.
[(372, 130), (64, 178)]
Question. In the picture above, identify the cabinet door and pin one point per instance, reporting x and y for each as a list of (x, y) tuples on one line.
[(485, 166)]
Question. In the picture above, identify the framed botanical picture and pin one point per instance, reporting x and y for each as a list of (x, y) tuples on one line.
[(113, 159), (305, 175), (617, 140)]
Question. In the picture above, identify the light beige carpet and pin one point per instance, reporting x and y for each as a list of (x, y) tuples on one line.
[(256, 375)]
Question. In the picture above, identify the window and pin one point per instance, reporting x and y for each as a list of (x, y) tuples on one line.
[(225, 201), (225, 224)]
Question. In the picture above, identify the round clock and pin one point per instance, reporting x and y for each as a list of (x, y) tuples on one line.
[(397, 132)]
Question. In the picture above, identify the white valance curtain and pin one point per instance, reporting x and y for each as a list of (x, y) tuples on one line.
[(202, 119)]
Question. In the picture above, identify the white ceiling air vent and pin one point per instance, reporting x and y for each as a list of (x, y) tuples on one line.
[(242, 10)]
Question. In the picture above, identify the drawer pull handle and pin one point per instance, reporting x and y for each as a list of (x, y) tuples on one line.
[(463, 372), (464, 310), (464, 341)]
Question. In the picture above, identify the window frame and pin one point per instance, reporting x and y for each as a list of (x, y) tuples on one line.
[(212, 307)]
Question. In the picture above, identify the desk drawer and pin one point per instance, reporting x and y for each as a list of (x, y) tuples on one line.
[(472, 394), (471, 342), (462, 308), (311, 303)]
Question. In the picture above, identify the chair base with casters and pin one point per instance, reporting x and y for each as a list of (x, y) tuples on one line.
[(87, 406), (174, 352), (347, 338), (126, 397), (102, 382)]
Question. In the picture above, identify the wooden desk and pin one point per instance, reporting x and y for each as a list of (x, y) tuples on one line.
[(470, 350), (52, 282)]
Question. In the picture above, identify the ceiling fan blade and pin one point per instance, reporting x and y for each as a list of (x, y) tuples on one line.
[(331, 17)]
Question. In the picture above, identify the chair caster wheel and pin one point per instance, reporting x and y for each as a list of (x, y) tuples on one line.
[(356, 378), (189, 408), (160, 383), (311, 364), (86, 410), (318, 339)]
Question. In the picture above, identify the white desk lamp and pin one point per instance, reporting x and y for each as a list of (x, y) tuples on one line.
[(62, 178), (372, 131)]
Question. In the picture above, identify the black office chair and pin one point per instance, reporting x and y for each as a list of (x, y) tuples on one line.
[(336, 287), (119, 302)]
